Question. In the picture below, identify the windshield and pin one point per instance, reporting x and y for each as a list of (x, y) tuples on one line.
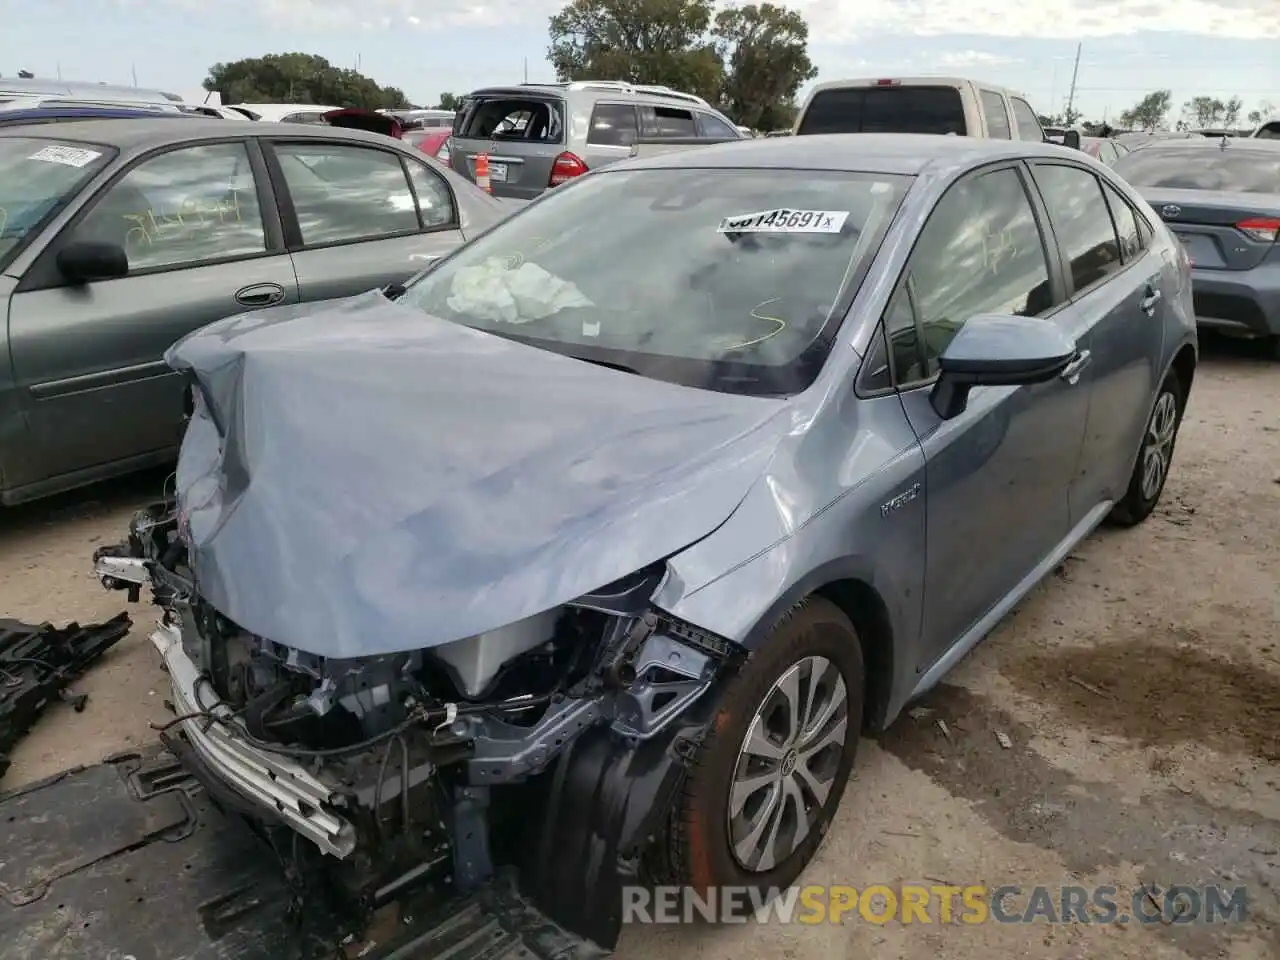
[(1230, 170), (890, 109), (731, 280), (38, 177)]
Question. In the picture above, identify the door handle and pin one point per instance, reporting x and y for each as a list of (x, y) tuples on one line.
[(1071, 372), (260, 295), (1148, 303)]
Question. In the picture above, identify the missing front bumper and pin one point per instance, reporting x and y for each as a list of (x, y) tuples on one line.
[(278, 786)]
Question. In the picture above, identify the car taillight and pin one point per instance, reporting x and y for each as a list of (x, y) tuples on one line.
[(566, 167), (1262, 229), (888, 83)]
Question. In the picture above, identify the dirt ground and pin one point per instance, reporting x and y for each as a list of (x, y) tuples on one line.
[(1138, 689)]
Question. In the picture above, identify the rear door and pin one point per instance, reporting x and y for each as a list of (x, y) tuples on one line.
[(1116, 298), (522, 133), (357, 217), (612, 130), (199, 227), (667, 121)]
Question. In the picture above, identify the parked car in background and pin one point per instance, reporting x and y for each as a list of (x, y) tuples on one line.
[(117, 237), (62, 111), (43, 88), (694, 484), (422, 119), (918, 105), (1104, 149), (541, 135), (1134, 141), (282, 112), (1221, 199), (1267, 131)]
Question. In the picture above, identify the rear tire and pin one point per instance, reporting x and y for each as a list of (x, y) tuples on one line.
[(1155, 456), (762, 788)]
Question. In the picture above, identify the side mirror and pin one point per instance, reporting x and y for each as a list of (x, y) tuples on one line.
[(999, 350), (1071, 139), (87, 261)]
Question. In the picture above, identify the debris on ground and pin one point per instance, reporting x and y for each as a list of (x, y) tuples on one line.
[(1004, 741), (946, 732), (37, 664)]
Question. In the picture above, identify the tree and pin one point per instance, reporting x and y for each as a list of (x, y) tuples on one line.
[(1149, 112), (640, 41), (1263, 113), (299, 78), (1200, 112), (764, 49), (449, 101), (1231, 112)]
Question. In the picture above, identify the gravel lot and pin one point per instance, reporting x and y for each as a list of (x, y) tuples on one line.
[(1139, 688)]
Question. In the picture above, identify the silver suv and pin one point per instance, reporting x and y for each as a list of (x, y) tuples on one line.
[(539, 135)]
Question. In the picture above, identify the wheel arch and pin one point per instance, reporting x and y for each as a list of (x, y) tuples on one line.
[(846, 585)]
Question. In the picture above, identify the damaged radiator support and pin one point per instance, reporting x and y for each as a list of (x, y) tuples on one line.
[(38, 662)]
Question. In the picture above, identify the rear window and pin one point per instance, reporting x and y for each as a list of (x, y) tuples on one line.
[(885, 110), (1232, 170), (38, 177), (513, 119)]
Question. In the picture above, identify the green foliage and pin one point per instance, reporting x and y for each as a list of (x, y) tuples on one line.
[(764, 49), (448, 101), (1150, 112), (299, 78), (751, 60)]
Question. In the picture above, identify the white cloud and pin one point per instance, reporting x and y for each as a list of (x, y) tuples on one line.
[(973, 58), (843, 20)]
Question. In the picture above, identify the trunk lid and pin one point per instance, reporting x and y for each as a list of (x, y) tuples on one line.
[(361, 478), (1207, 223), (522, 131)]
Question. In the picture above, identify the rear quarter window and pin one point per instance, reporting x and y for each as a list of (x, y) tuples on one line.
[(901, 109)]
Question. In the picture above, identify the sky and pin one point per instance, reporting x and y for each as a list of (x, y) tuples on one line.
[(1216, 48)]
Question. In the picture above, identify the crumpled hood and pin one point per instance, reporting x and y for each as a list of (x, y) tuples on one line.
[(361, 478)]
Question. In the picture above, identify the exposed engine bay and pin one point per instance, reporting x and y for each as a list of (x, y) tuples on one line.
[(437, 765)]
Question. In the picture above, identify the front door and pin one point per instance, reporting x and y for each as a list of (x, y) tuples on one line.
[(997, 475), (358, 222), (87, 359)]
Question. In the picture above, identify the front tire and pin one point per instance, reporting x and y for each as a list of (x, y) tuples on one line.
[(770, 773), (1155, 456)]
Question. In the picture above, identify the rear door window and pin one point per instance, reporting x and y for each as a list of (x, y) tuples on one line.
[(613, 125), (514, 119), (888, 109), (1132, 242), (668, 122), (1025, 119), (342, 193), (997, 118)]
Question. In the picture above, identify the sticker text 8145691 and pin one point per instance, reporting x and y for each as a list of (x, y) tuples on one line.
[(67, 156), (785, 220)]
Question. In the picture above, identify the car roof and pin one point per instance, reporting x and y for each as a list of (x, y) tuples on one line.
[(893, 153), (153, 132)]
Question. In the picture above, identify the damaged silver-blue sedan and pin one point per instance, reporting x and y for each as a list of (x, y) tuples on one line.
[(595, 548)]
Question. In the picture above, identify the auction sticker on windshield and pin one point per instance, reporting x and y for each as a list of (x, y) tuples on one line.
[(784, 220), (68, 156)]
